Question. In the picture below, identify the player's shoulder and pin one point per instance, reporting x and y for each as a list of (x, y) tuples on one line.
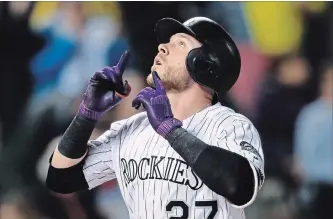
[(138, 119), (132, 121), (230, 121), (227, 115)]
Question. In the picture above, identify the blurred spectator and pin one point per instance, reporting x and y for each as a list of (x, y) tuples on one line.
[(317, 38), (313, 141), (317, 35), (62, 39), (79, 40), (97, 34), (282, 95), (77, 33), (281, 98), (18, 44)]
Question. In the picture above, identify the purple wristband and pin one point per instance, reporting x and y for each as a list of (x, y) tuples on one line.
[(88, 113), (167, 126)]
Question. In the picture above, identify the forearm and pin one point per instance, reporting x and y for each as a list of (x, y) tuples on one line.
[(65, 173), (72, 147), (224, 172)]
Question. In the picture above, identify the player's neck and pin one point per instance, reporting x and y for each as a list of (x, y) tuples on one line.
[(186, 104)]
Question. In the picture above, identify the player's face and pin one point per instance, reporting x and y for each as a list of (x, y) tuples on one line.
[(170, 62)]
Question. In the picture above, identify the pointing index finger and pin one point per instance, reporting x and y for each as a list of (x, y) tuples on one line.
[(123, 61), (157, 81)]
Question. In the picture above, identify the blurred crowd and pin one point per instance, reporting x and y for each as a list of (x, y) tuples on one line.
[(49, 50)]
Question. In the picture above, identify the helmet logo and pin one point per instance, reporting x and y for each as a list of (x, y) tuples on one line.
[(190, 22), (229, 47)]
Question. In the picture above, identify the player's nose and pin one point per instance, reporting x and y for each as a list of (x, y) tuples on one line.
[(162, 48)]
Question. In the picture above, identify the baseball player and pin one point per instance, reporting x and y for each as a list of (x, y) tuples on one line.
[(186, 155)]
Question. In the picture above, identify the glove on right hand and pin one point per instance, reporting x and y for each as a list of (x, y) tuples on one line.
[(105, 90)]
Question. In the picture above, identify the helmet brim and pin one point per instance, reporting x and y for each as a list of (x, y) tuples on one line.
[(167, 27)]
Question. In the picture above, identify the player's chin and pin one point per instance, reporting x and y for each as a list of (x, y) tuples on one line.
[(157, 68), (150, 80)]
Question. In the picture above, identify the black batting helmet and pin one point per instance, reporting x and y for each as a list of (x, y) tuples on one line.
[(217, 63)]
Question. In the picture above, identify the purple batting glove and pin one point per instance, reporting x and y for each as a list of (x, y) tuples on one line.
[(105, 90), (158, 107)]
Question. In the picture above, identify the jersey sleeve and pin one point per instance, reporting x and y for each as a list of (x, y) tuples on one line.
[(98, 165), (241, 137)]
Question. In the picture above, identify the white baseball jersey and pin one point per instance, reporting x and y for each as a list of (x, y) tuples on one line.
[(155, 182)]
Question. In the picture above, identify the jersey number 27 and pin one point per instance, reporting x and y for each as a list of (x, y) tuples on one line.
[(184, 207)]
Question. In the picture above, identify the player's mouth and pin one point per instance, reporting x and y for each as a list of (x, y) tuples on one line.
[(157, 61)]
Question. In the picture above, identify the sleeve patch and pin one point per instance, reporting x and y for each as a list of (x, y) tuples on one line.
[(248, 147)]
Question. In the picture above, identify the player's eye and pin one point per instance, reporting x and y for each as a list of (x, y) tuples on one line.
[(181, 43)]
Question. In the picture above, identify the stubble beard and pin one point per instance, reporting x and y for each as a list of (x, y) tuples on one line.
[(174, 79)]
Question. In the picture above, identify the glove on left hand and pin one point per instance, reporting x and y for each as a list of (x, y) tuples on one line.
[(158, 107)]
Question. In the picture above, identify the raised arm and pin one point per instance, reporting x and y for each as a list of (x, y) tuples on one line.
[(105, 90)]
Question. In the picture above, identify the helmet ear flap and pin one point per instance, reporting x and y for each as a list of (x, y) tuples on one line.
[(198, 61), (201, 67)]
